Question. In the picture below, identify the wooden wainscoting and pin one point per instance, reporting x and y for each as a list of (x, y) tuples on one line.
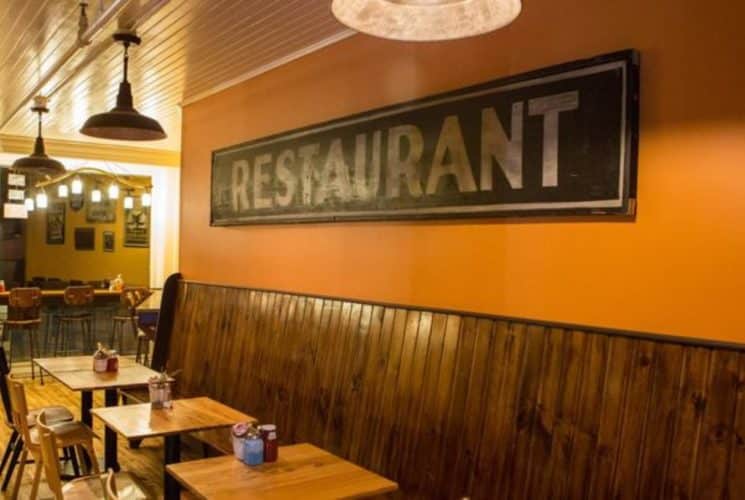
[(452, 405)]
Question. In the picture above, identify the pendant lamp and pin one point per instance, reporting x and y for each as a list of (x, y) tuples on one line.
[(124, 122), (38, 164), (425, 20)]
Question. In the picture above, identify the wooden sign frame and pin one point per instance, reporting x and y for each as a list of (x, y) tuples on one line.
[(467, 140)]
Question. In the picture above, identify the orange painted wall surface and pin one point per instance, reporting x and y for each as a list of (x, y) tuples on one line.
[(679, 268)]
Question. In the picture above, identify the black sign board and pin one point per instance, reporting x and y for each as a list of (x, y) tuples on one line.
[(559, 141)]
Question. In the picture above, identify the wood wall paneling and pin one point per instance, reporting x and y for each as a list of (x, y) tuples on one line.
[(454, 405)]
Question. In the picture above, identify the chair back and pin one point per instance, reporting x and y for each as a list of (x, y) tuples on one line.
[(19, 408), (49, 456), (24, 303), (162, 344), (4, 392), (134, 296), (111, 493), (78, 296)]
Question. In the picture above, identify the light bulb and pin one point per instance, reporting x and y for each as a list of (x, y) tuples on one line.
[(63, 191), (96, 195), (129, 202), (42, 201), (77, 186), (29, 203), (113, 192), (147, 199)]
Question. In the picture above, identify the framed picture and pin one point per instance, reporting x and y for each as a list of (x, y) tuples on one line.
[(85, 238), (137, 227), (77, 201), (104, 211), (108, 241), (56, 223)]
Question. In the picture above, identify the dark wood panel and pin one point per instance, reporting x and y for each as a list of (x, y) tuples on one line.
[(453, 405)]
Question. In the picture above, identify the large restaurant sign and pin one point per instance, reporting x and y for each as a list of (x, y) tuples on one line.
[(558, 141)]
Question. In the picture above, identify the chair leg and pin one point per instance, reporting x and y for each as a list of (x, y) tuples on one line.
[(92, 455), (74, 460), (37, 477), (19, 473), (8, 450), (30, 333), (17, 448)]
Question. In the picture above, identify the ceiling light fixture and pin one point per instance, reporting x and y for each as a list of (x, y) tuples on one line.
[(38, 163), (426, 20), (124, 122)]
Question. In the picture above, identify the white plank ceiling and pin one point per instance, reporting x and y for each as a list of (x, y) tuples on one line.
[(189, 49)]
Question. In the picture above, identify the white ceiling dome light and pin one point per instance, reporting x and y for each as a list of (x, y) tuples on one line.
[(426, 20)]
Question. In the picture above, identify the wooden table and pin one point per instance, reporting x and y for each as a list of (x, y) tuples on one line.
[(76, 373), (301, 471), (100, 295), (187, 415)]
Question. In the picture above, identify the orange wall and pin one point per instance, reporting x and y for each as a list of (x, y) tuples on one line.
[(677, 269)]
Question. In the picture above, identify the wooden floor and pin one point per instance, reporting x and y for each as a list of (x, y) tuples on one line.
[(146, 462)]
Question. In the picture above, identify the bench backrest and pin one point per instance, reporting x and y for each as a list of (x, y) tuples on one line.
[(453, 405)]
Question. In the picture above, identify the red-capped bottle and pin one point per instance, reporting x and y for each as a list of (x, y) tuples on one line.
[(269, 436)]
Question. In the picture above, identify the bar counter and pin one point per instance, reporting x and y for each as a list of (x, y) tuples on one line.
[(102, 296)]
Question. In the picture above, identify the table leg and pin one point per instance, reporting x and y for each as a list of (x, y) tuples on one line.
[(111, 460), (86, 403), (173, 455)]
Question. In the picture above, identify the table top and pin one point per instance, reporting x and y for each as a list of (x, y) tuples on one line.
[(76, 373), (301, 471), (187, 415)]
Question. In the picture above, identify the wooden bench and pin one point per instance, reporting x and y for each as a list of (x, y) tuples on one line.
[(452, 404)]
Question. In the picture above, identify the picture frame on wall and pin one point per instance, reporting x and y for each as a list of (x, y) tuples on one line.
[(85, 238), (56, 223), (101, 212), (108, 241), (137, 226)]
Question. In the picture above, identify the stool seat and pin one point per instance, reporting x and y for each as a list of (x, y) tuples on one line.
[(125, 318), (74, 317), (20, 323)]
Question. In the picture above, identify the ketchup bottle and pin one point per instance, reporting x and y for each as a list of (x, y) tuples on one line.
[(269, 436)]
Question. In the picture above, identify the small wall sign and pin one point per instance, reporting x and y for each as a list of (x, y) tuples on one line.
[(559, 141)]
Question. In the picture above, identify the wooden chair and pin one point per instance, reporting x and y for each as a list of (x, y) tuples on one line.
[(67, 434), (98, 486), (77, 301), (24, 315), (127, 316), (55, 414)]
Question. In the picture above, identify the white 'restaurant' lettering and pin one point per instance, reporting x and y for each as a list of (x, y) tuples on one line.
[(508, 153), (404, 168), (239, 186), (305, 155), (261, 178), (285, 162), (366, 186), (334, 176), (550, 107), (458, 165)]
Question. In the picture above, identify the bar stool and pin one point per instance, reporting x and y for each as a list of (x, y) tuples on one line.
[(77, 299), (24, 315), (127, 315)]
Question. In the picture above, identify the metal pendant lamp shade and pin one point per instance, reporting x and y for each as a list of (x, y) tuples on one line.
[(124, 122), (426, 20), (38, 164)]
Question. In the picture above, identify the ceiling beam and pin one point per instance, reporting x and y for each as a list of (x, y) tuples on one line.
[(91, 151)]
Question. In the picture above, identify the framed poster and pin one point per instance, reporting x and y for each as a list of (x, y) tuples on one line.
[(108, 241), (137, 226), (553, 142), (103, 211), (85, 238), (56, 223)]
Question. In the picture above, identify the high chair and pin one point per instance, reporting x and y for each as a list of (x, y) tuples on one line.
[(67, 434), (98, 486)]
